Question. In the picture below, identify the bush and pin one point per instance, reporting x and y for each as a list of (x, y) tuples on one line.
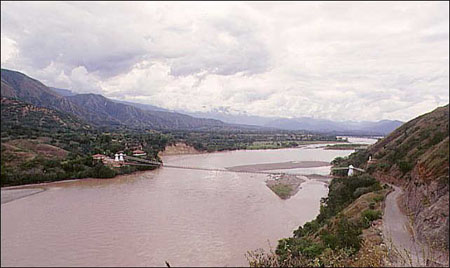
[(371, 215), (348, 234), (101, 171), (383, 166), (368, 216), (313, 250), (329, 240), (307, 229), (378, 198), (405, 166), (361, 190)]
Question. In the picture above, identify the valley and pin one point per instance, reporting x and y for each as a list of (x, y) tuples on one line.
[(72, 141)]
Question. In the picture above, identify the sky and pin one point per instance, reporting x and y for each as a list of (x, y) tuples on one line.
[(330, 60)]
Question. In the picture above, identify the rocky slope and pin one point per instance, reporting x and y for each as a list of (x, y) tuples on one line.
[(416, 157)]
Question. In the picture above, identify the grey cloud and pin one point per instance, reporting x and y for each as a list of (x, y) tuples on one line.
[(330, 60), (68, 34)]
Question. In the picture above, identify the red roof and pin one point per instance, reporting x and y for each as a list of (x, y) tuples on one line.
[(138, 152)]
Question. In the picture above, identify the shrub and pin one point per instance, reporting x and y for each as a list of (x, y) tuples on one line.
[(378, 198), (383, 166), (405, 166), (329, 240), (313, 250), (369, 215), (101, 171), (361, 190), (348, 234)]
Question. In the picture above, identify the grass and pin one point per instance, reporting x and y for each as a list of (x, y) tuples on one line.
[(282, 190)]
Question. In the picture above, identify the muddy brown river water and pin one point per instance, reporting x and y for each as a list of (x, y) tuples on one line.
[(185, 217)]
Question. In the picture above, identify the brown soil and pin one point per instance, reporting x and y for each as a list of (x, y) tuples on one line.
[(179, 148)]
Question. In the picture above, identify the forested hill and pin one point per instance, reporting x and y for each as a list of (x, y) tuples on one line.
[(416, 157), (98, 110)]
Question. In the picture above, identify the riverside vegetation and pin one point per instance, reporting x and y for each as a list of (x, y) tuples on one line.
[(341, 233)]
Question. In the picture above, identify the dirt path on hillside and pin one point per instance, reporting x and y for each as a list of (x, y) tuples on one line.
[(398, 232)]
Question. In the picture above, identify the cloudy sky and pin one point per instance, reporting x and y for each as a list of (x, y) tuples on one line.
[(357, 61)]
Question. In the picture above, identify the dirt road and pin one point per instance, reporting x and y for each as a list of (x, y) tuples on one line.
[(398, 232)]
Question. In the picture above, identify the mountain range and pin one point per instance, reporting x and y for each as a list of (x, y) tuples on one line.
[(97, 109), (382, 127), (101, 111)]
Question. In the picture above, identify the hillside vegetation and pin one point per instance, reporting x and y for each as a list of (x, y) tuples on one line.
[(343, 234), (416, 157)]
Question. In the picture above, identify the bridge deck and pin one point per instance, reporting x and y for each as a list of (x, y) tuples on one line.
[(145, 162)]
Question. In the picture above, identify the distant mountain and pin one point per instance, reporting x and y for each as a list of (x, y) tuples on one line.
[(232, 118), (98, 110), (62, 91), (113, 112), (16, 85), (382, 127), (146, 107)]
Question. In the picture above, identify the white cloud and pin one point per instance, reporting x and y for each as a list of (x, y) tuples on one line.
[(8, 49), (335, 60)]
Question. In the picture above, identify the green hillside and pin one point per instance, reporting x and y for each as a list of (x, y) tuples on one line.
[(416, 157)]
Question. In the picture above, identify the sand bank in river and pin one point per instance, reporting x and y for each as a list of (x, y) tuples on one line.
[(284, 185), (13, 194), (281, 165)]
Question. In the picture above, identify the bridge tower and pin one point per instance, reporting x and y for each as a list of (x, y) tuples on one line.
[(350, 170)]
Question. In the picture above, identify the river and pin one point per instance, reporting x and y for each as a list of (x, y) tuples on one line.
[(184, 217)]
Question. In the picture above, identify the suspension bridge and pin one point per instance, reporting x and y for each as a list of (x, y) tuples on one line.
[(145, 162)]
